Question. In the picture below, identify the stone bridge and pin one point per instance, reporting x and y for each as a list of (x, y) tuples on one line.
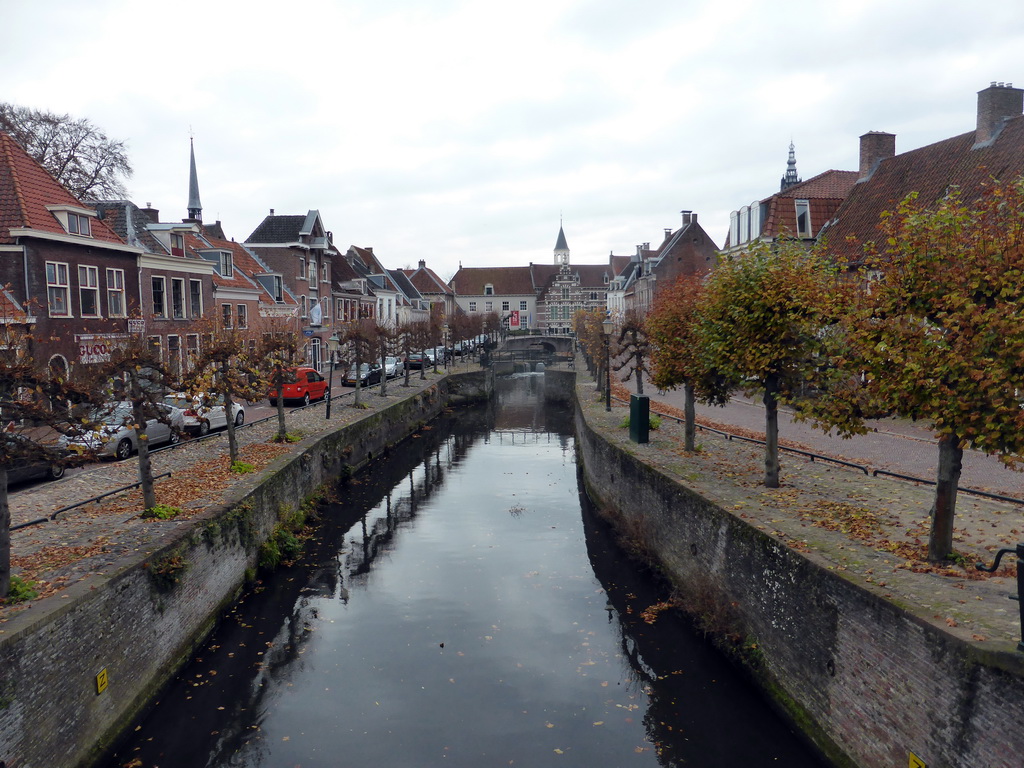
[(561, 346)]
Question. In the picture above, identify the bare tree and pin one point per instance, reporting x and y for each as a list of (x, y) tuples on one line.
[(277, 352), (634, 348), (77, 153), (136, 374)]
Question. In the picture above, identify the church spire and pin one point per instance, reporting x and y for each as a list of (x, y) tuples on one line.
[(195, 208), (561, 247), (790, 179)]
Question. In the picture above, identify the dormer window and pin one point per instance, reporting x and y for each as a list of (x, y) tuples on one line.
[(177, 244), (225, 268), (803, 218), (488, 290), (76, 221)]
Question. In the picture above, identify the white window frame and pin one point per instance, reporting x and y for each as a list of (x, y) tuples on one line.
[(472, 306), (803, 207), (177, 244), (79, 225), (226, 317), (115, 293), (58, 285), (178, 284), (523, 306), (227, 266), (242, 313), (163, 292), (505, 306), (89, 284), (192, 308)]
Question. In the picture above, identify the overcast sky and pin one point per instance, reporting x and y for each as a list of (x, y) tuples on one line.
[(459, 132)]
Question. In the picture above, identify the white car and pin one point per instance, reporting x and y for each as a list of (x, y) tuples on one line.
[(205, 412), (393, 367), (118, 440)]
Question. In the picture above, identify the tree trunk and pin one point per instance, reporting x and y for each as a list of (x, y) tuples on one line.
[(940, 540), (383, 376), (690, 413), (145, 471), (282, 427), (5, 537), (229, 416), (771, 434)]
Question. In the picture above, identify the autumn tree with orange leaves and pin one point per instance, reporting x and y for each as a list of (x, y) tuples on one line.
[(761, 330), (940, 334)]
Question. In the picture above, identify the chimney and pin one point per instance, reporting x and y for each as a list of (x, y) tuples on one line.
[(271, 211), (668, 233), (423, 264), (686, 217), (151, 213), (875, 146), (996, 104)]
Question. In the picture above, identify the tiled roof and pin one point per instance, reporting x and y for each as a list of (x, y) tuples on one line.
[(26, 188), (824, 194), (129, 222), (507, 281), (930, 171), (278, 229), (403, 283), (10, 309), (427, 281)]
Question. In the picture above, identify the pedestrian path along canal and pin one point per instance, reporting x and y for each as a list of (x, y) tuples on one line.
[(461, 605)]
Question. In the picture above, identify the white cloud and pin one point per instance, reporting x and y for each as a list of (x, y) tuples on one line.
[(460, 131)]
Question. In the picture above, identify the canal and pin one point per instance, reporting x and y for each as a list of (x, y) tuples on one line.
[(461, 605)]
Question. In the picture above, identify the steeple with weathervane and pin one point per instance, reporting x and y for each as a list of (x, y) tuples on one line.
[(195, 208), (561, 248), (790, 179)]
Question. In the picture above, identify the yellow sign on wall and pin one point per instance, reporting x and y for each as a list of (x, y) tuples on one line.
[(917, 762), (101, 685)]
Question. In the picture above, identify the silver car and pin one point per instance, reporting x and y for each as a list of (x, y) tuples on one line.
[(205, 412), (116, 439)]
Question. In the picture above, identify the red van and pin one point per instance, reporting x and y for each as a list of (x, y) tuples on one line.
[(303, 384)]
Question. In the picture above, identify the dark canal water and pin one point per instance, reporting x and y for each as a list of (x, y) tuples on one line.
[(462, 606)]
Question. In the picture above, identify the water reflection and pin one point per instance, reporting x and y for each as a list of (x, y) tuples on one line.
[(457, 608)]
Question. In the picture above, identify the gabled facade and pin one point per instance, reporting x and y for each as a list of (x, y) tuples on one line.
[(364, 261), (686, 251), (432, 288), (175, 285), (66, 273), (993, 150), (300, 249), (541, 297)]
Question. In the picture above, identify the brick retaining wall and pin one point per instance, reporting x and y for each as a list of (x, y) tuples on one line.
[(869, 681), (140, 631)]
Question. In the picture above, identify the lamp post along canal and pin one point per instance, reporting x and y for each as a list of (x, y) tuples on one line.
[(607, 325), (333, 343)]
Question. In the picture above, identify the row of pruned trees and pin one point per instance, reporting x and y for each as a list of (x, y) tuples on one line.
[(931, 328)]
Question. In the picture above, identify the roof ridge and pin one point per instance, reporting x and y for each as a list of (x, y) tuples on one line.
[(15, 180)]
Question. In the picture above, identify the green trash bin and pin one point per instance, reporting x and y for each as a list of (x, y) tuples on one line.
[(639, 418)]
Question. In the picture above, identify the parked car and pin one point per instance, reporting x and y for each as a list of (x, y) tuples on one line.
[(303, 384), (368, 374), (23, 469), (205, 412), (414, 361), (116, 439), (393, 367)]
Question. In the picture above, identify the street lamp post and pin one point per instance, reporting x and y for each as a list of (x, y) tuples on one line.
[(607, 325), (333, 344)]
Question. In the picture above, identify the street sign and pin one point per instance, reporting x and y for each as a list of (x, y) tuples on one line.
[(307, 332), (917, 762)]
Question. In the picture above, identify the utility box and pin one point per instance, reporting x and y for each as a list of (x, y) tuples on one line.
[(639, 418)]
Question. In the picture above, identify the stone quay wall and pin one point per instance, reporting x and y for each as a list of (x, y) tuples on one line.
[(75, 671), (869, 681)]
